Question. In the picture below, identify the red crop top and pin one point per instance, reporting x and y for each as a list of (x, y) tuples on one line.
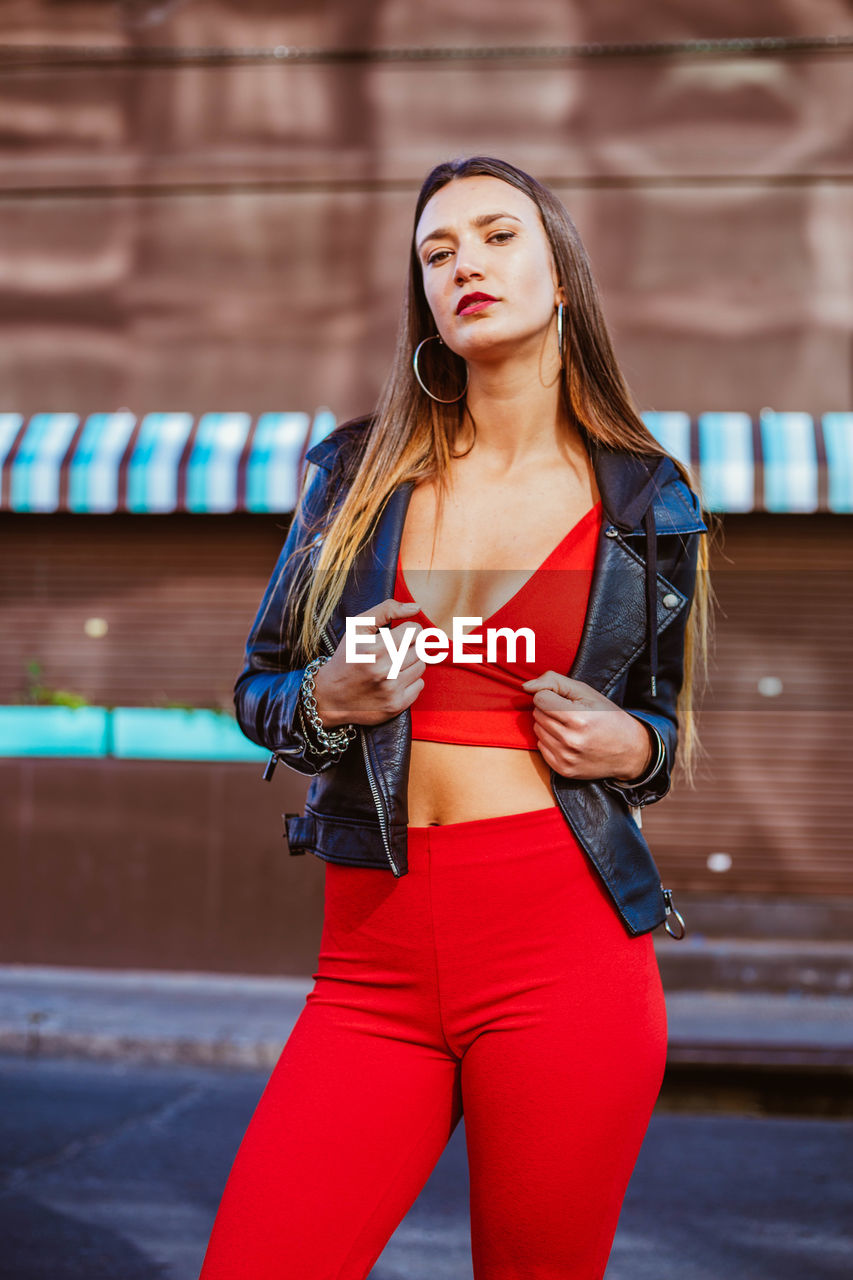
[(482, 703)]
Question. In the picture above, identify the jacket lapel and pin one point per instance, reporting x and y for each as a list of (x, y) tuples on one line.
[(375, 569), (614, 630)]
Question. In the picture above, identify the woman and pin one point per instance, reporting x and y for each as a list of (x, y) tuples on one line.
[(505, 966)]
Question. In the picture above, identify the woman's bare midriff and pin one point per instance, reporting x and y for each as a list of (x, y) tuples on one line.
[(453, 783), (449, 782)]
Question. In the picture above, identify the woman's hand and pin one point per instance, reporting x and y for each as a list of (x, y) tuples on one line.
[(361, 692), (584, 735)]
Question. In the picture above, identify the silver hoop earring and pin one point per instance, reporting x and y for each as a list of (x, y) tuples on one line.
[(420, 379), (560, 333)]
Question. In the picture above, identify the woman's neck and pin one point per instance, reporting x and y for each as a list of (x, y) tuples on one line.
[(519, 418)]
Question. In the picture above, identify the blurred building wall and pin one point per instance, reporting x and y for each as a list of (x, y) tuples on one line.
[(234, 234)]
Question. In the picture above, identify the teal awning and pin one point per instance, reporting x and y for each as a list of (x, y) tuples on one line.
[(224, 462), (164, 462)]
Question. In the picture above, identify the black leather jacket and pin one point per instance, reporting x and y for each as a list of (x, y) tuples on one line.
[(356, 809)]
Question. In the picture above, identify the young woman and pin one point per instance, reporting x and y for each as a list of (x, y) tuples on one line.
[(489, 896)]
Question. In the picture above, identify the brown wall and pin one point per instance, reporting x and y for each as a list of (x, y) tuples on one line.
[(773, 790), (178, 594), (233, 236), (163, 865), (183, 865)]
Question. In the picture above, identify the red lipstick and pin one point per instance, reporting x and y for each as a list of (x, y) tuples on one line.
[(471, 302)]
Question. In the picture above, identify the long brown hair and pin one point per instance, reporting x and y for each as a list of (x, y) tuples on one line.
[(412, 436)]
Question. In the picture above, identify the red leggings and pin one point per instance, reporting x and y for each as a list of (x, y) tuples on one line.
[(496, 975)]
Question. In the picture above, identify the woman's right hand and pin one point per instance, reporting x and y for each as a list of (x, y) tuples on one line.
[(361, 692)]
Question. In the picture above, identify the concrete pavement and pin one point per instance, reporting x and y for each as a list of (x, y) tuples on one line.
[(114, 1171), (243, 1021)]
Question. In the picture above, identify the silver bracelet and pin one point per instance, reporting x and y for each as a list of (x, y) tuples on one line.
[(650, 773), (335, 741)]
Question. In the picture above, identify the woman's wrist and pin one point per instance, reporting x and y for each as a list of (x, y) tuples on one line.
[(324, 736), (654, 760), (328, 712), (645, 758)]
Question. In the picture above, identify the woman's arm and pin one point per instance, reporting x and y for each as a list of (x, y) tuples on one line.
[(658, 713), (266, 692)]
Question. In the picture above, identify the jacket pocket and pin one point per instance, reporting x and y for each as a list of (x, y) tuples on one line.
[(335, 837), (299, 832)]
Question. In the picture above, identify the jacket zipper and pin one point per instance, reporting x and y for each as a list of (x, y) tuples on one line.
[(377, 800), (672, 911)]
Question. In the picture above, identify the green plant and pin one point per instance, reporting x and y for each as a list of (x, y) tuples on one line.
[(44, 695)]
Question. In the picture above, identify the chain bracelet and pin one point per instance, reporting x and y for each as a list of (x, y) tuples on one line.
[(336, 740)]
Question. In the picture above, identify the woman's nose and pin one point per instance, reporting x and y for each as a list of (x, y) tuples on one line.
[(467, 271), (467, 265)]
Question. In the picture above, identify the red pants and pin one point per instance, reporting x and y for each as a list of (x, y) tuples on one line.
[(496, 976)]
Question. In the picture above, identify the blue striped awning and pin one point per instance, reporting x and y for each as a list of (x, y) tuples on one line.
[(779, 462), (165, 462), (224, 462)]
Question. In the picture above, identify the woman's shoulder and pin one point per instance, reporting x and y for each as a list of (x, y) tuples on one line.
[(343, 443), (631, 482), (681, 502)]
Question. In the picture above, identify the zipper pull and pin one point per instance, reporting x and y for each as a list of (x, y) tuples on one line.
[(637, 815), (270, 769), (672, 911)]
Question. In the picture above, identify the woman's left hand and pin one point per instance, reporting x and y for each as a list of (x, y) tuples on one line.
[(582, 734)]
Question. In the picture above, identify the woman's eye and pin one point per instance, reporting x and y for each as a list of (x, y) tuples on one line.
[(496, 237)]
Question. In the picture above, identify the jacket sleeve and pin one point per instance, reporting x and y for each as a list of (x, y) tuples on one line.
[(266, 692), (658, 713)]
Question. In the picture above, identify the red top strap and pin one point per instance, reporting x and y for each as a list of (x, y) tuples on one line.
[(482, 703)]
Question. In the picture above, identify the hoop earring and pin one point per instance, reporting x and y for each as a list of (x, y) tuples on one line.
[(560, 333), (420, 379)]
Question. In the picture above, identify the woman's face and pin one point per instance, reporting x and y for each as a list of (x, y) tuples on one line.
[(480, 235)]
